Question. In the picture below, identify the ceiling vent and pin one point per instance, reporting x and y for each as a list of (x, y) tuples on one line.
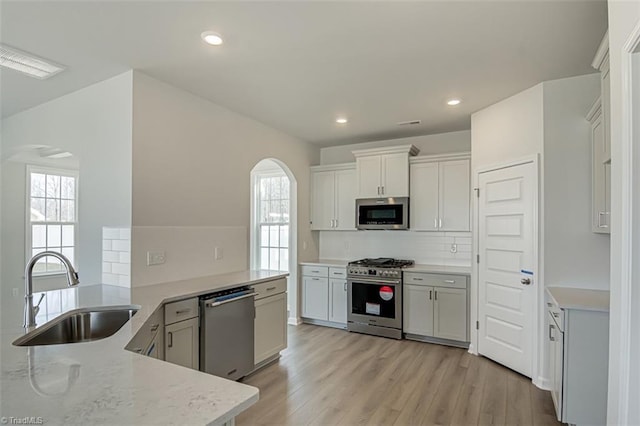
[(27, 64), (409, 123)]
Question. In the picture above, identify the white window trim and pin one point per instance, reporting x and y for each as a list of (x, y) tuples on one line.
[(27, 214)]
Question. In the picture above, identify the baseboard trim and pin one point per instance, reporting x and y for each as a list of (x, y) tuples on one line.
[(294, 321)]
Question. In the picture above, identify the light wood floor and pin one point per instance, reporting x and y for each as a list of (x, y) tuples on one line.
[(332, 377)]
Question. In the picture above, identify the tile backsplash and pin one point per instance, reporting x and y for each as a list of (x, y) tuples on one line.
[(116, 256), (431, 248)]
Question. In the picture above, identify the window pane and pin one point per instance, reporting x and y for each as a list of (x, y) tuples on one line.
[(54, 235), (53, 210), (284, 236), (67, 211), (38, 236), (264, 212), (274, 211), (40, 266), (53, 263), (67, 235), (264, 236), (273, 259), (264, 189), (284, 260), (284, 208), (37, 185), (264, 258), (284, 187), (53, 186), (273, 236), (37, 209), (68, 187), (69, 253)]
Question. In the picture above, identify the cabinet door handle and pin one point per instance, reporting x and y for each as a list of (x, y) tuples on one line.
[(439, 223), (345, 286), (430, 291), (600, 225), (551, 338), (335, 223), (170, 345), (383, 190), (378, 190), (435, 222), (435, 295), (450, 281)]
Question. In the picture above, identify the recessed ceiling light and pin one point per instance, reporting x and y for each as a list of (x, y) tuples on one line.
[(211, 38), (453, 102), (27, 63), (341, 120)]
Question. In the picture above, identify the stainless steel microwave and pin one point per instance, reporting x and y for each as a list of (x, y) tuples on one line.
[(382, 213)]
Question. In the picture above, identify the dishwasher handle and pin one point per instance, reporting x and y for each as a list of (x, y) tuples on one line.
[(234, 299)]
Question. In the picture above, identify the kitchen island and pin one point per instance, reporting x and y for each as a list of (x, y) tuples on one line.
[(100, 382)]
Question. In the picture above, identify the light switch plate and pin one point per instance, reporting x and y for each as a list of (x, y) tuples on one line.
[(156, 258)]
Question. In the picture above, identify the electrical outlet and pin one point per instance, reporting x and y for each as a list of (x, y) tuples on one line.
[(218, 253), (15, 292), (454, 248), (156, 258)]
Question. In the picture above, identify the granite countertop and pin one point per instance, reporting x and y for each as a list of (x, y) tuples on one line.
[(440, 269), (580, 298), (102, 383)]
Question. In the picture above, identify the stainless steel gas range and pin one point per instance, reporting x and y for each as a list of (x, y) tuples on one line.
[(375, 296)]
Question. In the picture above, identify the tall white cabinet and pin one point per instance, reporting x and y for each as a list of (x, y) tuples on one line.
[(383, 172), (333, 195), (440, 197)]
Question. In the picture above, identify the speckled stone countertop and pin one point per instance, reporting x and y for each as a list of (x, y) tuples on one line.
[(337, 263), (102, 383)]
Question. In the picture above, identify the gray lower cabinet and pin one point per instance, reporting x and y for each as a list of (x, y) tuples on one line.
[(182, 333), (149, 339), (436, 308), (271, 320), (578, 364)]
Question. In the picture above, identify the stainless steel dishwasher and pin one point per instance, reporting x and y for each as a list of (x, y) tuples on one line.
[(227, 333)]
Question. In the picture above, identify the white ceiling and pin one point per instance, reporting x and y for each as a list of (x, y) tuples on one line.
[(296, 65)]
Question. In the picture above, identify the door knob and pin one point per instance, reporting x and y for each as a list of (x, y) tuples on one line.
[(525, 281)]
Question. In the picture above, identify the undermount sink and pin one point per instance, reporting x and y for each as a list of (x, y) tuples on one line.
[(80, 325)]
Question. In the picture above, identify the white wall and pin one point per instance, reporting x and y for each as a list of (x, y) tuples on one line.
[(192, 162), (509, 130), (624, 371), (573, 256), (443, 143), (94, 124)]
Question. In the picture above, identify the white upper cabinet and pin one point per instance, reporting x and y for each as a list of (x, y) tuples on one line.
[(440, 197), (383, 172), (599, 117), (333, 194)]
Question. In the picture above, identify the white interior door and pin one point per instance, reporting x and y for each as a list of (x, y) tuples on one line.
[(506, 248)]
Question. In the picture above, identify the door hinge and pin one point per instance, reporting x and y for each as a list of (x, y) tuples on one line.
[(477, 192), (477, 258), (477, 325)]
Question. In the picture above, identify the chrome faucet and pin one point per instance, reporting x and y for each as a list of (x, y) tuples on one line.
[(30, 311)]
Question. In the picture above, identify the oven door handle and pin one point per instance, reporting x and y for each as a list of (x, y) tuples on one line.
[(373, 281)]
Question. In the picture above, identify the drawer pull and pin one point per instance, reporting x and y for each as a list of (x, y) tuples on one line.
[(316, 279), (338, 273), (170, 335), (549, 304), (450, 281), (551, 327), (556, 315), (271, 288), (417, 279), (316, 272), (183, 311), (154, 327)]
